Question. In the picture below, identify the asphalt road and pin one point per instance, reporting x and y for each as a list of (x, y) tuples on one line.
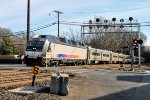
[(110, 85)]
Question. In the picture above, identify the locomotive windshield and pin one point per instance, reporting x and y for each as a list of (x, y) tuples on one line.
[(35, 45)]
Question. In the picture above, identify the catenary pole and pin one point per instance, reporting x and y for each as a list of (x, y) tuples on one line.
[(28, 20)]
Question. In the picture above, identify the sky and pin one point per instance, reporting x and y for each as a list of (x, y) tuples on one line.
[(13, 13)]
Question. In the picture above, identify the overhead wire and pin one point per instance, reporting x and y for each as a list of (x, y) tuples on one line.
[(76, 23), (32, 30)]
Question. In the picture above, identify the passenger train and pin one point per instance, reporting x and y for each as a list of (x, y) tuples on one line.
[(48, 49)]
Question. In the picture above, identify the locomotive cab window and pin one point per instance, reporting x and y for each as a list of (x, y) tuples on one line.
[(35, 45), (62, 39)]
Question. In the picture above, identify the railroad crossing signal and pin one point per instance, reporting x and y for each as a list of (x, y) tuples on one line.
[(35, 70), (135, 41), (140, 41)]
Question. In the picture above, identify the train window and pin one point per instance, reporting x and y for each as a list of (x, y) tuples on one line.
[(31, 43), (43, 36), (73, 42), (69, 41), (95, 54), (114, 56), (38, 45), (62, 39), (120, 57), (106, 55)]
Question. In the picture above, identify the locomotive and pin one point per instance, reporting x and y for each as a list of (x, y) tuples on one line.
[(52, 50)]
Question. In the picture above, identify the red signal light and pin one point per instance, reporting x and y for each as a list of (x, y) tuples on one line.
[(135, 41)]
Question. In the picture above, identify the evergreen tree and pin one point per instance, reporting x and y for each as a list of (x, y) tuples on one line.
[(8, 46)]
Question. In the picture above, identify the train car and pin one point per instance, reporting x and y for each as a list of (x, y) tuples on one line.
[(106, 56), (94, 55), (43, 49), (114, 57), (121, 58), (127, 59), (55, 50)]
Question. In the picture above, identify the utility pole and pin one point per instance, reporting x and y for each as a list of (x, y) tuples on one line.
[(28, 20), (139, 45), (58, 12)]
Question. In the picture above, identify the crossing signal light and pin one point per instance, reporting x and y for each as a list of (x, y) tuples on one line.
[(135, 41), (140, 41), (97, 20)]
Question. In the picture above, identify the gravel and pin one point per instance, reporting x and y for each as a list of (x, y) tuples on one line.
[(41, 95)]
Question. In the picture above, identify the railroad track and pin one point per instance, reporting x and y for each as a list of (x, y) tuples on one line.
[(10, 78), (13, 78), (20, 77), (125, 67)]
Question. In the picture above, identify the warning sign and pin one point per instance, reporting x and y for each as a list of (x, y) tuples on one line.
[(35, 70)]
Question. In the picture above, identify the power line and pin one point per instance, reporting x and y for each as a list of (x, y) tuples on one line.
[(43, 27), (32, 30), (70, 24), (48, 25)]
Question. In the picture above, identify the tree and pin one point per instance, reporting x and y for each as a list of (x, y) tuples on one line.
[(20, 42), (7, 46), (72, 35)]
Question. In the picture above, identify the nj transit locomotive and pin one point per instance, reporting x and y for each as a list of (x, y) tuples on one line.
[(63, 51)]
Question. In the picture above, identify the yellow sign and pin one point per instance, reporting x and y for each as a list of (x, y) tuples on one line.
[(35, 70)]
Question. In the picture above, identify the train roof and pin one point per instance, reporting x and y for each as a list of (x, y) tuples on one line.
[(58, 40)]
